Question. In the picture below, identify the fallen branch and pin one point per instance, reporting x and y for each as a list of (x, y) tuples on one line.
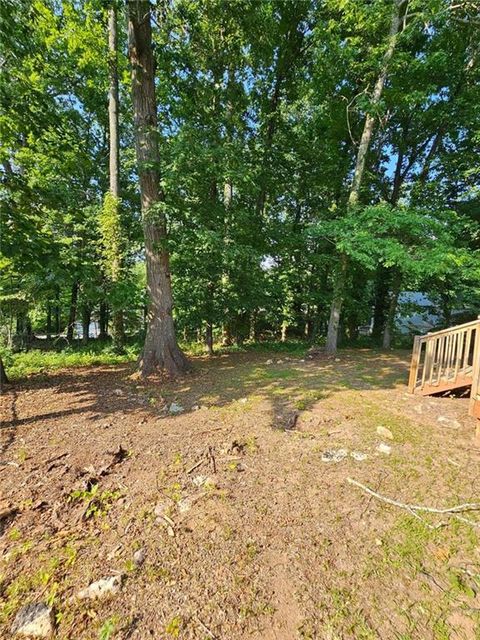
[(460, 508), (212, 459), (207, 630), (195, 466)]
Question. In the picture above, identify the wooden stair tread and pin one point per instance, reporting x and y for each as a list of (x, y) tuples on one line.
[(444, 385)]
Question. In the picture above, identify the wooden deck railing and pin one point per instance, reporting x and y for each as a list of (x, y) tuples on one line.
[(447, 359)]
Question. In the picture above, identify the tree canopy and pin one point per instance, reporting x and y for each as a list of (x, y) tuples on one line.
[(261, 114)]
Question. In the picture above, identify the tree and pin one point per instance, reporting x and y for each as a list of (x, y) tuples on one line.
[(160, 348), (110, 219), (353, 197)]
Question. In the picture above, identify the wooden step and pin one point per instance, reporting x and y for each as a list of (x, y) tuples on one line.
[(444, 385)]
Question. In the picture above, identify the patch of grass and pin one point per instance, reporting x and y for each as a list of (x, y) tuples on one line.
[(272, 373), (108, 628), (289, 346), (98, 503), (407, 543), (37, 361), (307, 399), (173, 627)]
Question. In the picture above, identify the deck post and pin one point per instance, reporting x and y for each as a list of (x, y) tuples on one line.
[(475, 376), (412, 380)]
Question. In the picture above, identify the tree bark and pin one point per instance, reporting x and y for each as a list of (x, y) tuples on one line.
[(86, 316), (209, 338), (103, 321), (160, 348), (227, 337), (113, 103), (118, 329), (340, 279), (354, 195), (72, 315), (20, 338), (3, 375), (57, 313), (392, 310), (366, 138), (380, 309), (49, 321), (252, 333)]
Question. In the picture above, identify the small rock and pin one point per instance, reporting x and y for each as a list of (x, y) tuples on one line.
[(34, 620), (139, 557), (118, 392), (269, 362), (101, 588), (243, 400), (334, 455), (449, 422), (384, 448), (358, 455), (302, 360), (279, 361), (185, 504), (337, 360), (196, 407), (162, 508), (203, 481), (175, 408), (385, 433), (114, 552)]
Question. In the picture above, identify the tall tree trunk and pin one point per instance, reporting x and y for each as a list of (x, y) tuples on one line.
[(3, 375), (209, 338), (392, 310), (86, 316), (339, 283), (20, 338), (380, 309), (160, 348), (29, 331), (395, 27), (113, 103), (118, 331), (227, 337), (354, 195), (57, 313), (72, 315), (252, 332), (49, 321), (103, 321)]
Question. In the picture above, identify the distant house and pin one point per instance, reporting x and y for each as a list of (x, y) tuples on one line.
[(416, 313)]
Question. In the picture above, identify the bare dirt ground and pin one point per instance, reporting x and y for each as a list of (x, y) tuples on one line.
[(248, 528)]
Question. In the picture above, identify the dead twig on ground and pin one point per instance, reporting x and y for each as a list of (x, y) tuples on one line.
[(212, 459), (413, 508), (207, 630), (195, 466)]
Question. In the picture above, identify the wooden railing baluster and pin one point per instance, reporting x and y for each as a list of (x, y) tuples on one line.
[(444, 360)]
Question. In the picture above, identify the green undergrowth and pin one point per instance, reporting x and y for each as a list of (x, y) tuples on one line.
[(20, 365), (25, 363), (38, 360)]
